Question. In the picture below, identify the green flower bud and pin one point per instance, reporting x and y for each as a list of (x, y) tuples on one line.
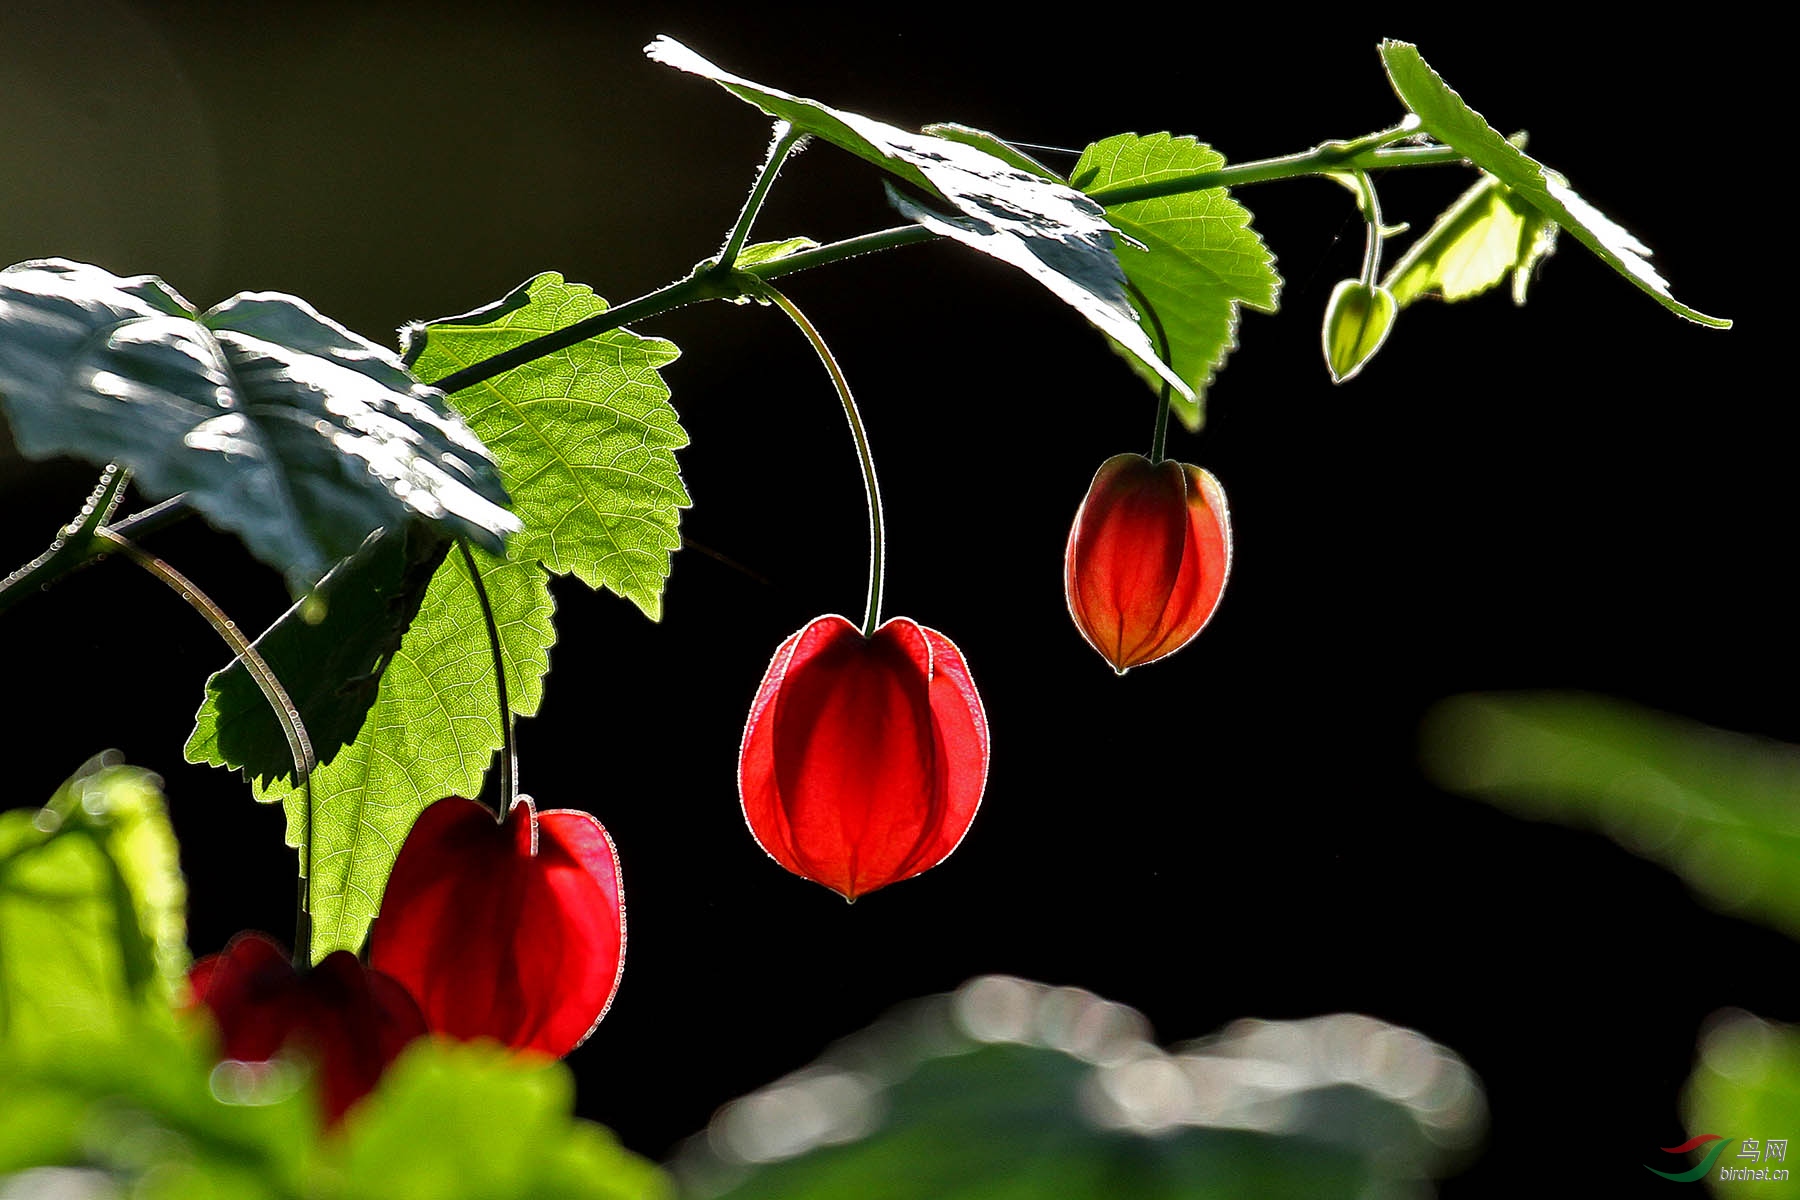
[(1357, 321)]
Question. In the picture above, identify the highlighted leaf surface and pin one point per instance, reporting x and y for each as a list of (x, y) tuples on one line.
[(1200, 259), (1487, 234), (1447, 118), (278, 424), (1003, 208)]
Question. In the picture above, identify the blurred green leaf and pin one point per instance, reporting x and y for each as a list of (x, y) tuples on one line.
[(1447, 118), (432, 732), (585, 438), (1745, 1084), (1200, 259), (456, 1120), (1010, 211), (92, 909), (1485, 235), (1009, 1089), (1721, 809), (278, 424), (331, 668)]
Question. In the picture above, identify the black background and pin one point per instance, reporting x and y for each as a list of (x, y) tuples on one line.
[(1587, 492)]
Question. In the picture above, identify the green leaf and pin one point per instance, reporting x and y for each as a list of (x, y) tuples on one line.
[(1010, 1090), (331, 667), (1473, 245), (278, 424), (432, 732), (585, 438), (453, 1120), (1718, 808), (92, 903), (147, 1106), (1447, 118), (1054, 234), (982, 140), (1200, 259), (758, 253), (1745, 1085)]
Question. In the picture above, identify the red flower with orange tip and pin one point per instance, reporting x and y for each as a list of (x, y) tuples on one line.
[(513, 931), (351, 1021), (864, 758), (1147, 558)]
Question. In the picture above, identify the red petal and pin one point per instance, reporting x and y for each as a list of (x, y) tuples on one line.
[(511, 932), (861, 764)]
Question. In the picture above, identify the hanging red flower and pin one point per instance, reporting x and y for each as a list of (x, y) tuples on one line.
[(1147, 558), (350, 1021), (513, 931), (864, 758)]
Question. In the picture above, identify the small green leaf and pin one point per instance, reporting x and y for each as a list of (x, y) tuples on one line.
[(431, 1133), (1473, 245), (1199, 258), (1745, 1084), (1013, 1089), (92, 910), (1358, 319), (278, 424), (1447, 118), (1015, 214), (331, 668), (432, 732), (585, 438), (758, 253), (1716, 807)]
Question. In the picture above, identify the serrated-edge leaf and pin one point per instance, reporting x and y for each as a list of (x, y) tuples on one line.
[(1483, 236), (432, 732), (585, 438), (1052, 232), (1445, 116), (1196, 258)]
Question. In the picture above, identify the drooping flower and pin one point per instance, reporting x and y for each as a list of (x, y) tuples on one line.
[(349, 1020), (513, 931), (1147, 558), (864, 758)]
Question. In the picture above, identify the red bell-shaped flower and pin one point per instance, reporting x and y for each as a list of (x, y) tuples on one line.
[(1147, 558), (350, 1021), (864, 758), (513, 931)]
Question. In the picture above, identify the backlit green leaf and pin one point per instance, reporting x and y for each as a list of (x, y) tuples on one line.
[(1015, 214), (278, 424), (1010, 1090), (1447, 118), (432, 732), (1721, 809), (1486, 235), (767, 252), (1200, 259), (330, 668), (585, 437), (92, 910)]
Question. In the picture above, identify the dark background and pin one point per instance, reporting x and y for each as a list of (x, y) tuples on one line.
[(1586, 492)]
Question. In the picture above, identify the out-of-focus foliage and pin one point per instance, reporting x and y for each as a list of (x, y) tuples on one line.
[(1746, 1085), (1719, 808), (1008, 1090), (92, 903)]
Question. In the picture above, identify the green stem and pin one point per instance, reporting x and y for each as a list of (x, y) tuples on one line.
[(286, 714), (1159, 436), (75, 543), (509, 757), (871, 488), (1370, 204), (1322, 160), (786, 138)]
